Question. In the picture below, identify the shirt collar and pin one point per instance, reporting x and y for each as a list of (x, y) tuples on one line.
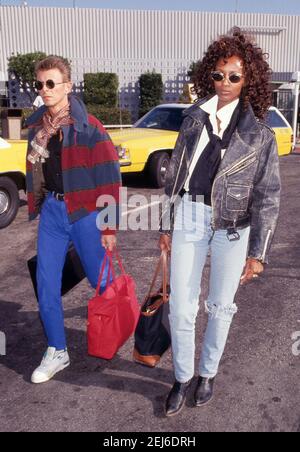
[(224, 114)]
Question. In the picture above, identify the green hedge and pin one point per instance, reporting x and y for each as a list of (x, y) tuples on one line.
[(109, 115), (151, 91), (102, 89)]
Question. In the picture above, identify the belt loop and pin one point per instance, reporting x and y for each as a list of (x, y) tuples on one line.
[(58, 196)]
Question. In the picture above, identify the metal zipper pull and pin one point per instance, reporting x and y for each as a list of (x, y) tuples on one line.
[(232, 233)]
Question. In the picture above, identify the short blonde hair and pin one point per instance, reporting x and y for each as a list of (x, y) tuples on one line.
[(54, 62)]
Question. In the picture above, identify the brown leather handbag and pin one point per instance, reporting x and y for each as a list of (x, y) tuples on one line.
[(152, 338)]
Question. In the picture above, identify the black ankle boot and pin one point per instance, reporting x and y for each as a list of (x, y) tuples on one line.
[(176, 398), (204, 391)]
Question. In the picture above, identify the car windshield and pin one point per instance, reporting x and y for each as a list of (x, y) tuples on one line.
[(274, 120), (4, 144), (162, 118)]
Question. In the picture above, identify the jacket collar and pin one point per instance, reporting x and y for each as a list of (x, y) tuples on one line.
[(248, 128), (195, 112), (78, 114)]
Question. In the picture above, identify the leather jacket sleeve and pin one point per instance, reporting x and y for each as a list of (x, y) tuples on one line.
[(265, 204), (178, 161)]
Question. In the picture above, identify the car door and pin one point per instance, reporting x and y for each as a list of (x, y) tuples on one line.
[(282, 129)]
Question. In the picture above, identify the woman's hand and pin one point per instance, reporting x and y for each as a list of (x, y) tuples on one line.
[(165, 242), (109, 242), (252, 270)]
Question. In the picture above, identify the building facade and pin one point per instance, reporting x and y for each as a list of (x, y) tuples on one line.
[(130, 42)]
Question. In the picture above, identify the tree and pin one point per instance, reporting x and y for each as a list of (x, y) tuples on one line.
[(193, 69), (23, 66), (151, 91)]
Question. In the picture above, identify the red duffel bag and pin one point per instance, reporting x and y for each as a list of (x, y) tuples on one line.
[(112, 315)]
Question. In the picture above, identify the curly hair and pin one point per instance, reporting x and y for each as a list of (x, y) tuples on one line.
[(257, 91)]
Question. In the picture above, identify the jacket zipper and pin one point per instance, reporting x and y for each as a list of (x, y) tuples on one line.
[(240, 167), (213, 226), (179, 168), (177, 177), (237, 167), (180, 164), (266, 245)]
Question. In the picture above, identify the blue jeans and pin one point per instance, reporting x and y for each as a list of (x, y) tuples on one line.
[(192, 240), (54, 237)]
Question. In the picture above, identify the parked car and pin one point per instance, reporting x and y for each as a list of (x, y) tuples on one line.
[(148, 145), (283, 131), (12, 178)]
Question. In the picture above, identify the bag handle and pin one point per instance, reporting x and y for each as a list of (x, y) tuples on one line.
[(162, 263), (108, 257)]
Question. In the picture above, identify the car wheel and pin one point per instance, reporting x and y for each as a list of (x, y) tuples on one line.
[(9, 201), (158, 169)]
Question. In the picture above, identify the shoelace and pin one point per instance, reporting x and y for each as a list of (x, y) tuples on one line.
[(48, 359)]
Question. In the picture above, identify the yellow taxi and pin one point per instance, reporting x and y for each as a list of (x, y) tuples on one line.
[(283, 131), (148, 145), (12, 178)]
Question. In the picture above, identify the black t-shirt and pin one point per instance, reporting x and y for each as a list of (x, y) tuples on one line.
[(52, 168)]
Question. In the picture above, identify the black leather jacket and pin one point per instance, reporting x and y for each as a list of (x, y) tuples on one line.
[(247, 187)]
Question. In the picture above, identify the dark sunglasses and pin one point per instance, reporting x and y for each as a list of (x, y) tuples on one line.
[(50, 84), (218, 76)]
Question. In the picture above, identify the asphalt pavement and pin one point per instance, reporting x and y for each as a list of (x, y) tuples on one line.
[(257, 388)]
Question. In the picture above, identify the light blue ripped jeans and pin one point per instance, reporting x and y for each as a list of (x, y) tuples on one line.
[(193, 238)]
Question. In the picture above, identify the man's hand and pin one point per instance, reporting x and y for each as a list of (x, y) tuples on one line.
[(109, 242), (252, 270), (165, 243)]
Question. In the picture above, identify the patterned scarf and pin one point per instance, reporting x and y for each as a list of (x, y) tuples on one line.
[(50, 127)]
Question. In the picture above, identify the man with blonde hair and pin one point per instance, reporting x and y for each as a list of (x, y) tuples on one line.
[(71, 162)]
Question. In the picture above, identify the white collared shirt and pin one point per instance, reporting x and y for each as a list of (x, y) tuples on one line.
[(224, 115)]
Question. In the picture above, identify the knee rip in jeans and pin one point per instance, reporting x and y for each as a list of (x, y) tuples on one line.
[(220, 312)]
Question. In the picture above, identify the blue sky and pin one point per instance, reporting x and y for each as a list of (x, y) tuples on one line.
[(261, 6)]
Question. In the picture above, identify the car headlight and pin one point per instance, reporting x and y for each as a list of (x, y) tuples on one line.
[(123, 153)]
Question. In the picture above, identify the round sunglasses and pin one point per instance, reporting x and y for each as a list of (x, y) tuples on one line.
[(50, 84), (219, 76)]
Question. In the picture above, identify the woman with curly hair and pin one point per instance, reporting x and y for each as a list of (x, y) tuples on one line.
[(224, 189)]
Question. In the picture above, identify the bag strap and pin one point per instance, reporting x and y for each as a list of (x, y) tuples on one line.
[(104, 263), (108, 257), (116, 254), (165, 262), (162, 264)]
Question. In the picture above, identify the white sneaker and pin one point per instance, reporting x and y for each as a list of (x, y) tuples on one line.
[(54, 361)]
